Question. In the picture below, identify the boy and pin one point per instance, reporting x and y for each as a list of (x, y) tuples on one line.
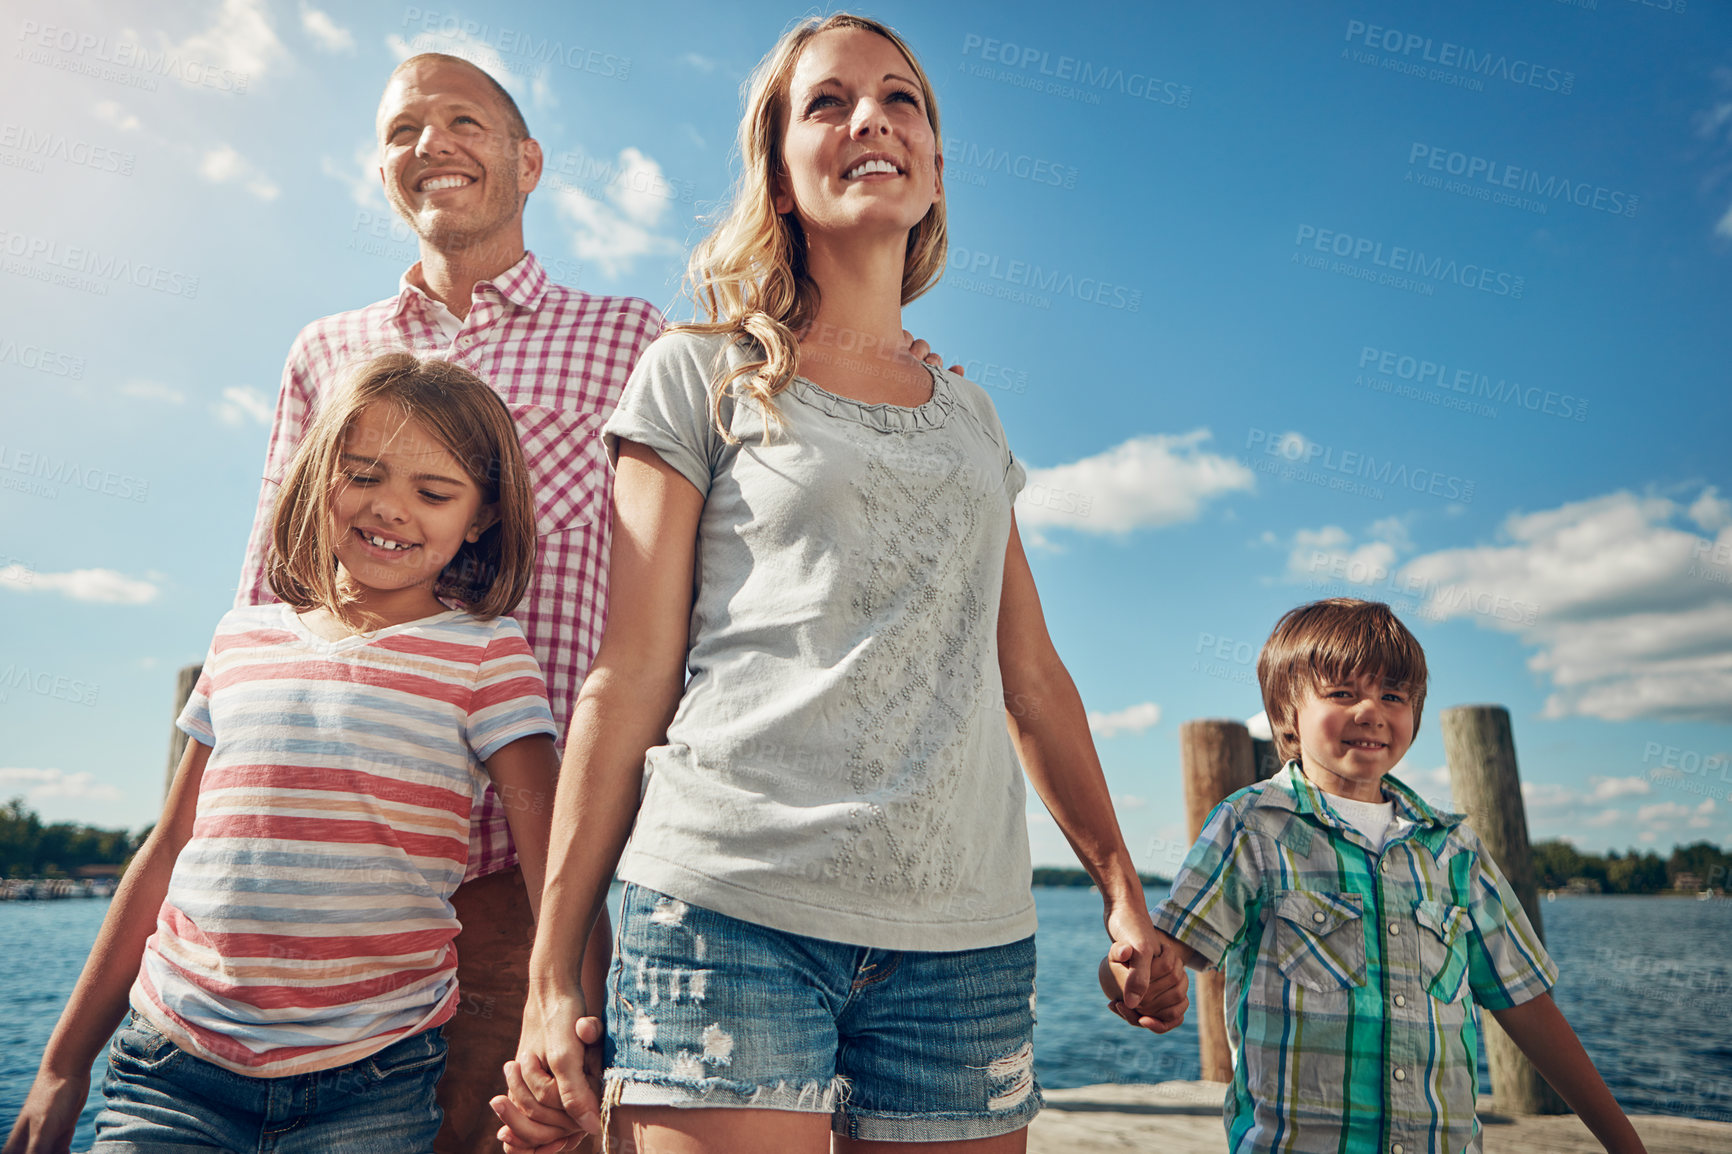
[(1359, 928)]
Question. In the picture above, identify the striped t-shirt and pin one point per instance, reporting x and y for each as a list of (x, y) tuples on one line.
[(308, 921)]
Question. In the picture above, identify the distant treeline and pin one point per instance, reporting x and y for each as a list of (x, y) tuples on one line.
[(30, 849), (1701, 865), (1052, 876)]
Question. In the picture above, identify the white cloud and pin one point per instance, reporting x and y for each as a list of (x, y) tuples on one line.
[(1607, 788), (103, 586), (112, 114), (1260, 727), (1147, 482), (1430, 782), (223, 165), (700, 63), (1662, 811), (241, 402), (153, 391), (1131, 719), (1711, 511), (1129, 801), (616, 232), (360, 176), (1328, 554), (242, 40), (1629, 612), (38, 784), (459, 43), (330, 36)]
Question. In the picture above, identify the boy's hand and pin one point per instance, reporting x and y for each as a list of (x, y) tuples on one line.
[(50, 1115), (920, 350)]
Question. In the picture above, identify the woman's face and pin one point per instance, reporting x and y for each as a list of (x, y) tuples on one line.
[(859, 152)]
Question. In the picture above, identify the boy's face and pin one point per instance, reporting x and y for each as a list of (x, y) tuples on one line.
[(1351, 733)]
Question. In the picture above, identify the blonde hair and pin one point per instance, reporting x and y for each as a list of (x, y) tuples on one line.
[(749, 275), (489, 575), (1335, 640)]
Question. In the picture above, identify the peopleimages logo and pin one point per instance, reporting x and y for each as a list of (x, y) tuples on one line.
[(89, 52), (1410, 261), (90, 262), (1460, 58), (1033, 278), (1506, 180), (1069, 75), (1470, 383)]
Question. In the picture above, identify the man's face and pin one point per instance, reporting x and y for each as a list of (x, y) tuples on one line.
[(450, 165)]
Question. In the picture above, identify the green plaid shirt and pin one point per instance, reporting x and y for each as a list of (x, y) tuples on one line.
[(1352, 975)]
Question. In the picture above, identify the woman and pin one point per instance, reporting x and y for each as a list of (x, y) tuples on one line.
[(828, 923)]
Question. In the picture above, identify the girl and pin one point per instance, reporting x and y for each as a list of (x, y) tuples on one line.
[(291, 909), (828, 925)]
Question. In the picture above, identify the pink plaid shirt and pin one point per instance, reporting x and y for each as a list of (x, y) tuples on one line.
[(560, 359)]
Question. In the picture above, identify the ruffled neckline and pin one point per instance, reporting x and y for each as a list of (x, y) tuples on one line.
[(883, 416)]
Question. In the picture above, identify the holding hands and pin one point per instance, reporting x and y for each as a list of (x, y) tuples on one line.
[(1143, 977), (553, 1088)]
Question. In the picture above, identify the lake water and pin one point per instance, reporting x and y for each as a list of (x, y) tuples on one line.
[(1647, 983)]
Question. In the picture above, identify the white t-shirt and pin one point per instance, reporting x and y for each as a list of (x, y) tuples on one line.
[(838, 766), (1375, 819)]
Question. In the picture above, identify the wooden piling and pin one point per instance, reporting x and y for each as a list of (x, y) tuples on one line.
[(184, 683), (1266, 756), (1480, 748), (1216, 758)]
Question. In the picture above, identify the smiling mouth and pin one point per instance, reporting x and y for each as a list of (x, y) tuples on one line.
[(869, 167), (385, 543), (1366, 745), (441, 183)]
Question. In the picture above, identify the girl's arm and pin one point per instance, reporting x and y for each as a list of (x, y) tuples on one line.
[(627, 701), (1539, 1028), (1051, 731), (524, 773), (99, 1000)]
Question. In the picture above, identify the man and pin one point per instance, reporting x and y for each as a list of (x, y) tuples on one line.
[(458, 163)]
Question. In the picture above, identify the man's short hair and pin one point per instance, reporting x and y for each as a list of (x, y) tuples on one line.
[(1335, 640), (513, 115)]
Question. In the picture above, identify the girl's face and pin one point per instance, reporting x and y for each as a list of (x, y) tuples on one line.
[(858, 151), (402, 507)]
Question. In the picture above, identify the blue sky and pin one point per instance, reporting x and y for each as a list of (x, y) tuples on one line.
[(1421, 301)]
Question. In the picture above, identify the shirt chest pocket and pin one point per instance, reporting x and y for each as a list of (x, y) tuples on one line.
[(1442, 948), (567, 466), (1319, 940)]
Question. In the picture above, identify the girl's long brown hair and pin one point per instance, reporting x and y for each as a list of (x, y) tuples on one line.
[(488, 576)]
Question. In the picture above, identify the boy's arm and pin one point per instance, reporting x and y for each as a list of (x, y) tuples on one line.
[(99, 1000), (1539, 1028)]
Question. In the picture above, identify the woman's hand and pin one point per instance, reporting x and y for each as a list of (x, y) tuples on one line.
[(50, 1114), (1143, 974), (553, 1088)]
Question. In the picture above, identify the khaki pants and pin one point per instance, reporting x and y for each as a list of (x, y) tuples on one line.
[(493, 977)]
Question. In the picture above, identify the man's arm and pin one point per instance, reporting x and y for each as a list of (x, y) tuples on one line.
[(1539, 1028)]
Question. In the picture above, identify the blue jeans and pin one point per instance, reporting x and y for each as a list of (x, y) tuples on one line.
[(709, 1011), (159, 1099)]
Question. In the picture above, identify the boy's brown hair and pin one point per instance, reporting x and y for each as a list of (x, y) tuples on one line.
[(1334, 640), (488, 576)]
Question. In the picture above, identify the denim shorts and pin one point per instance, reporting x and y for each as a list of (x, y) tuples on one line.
[(159, 1099), (705, 1010)]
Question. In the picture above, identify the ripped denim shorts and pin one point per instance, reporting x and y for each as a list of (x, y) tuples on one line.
[(705, 1010)]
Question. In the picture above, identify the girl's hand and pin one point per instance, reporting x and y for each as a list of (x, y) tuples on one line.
[(553, 1088), (50, 1115)]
